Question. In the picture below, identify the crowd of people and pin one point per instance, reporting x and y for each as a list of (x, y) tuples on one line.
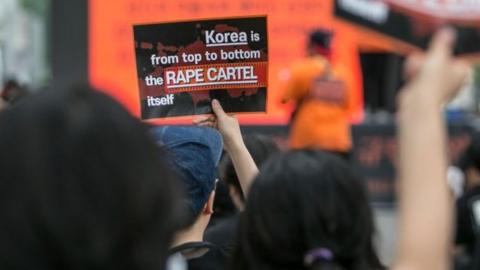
[(85, 185)]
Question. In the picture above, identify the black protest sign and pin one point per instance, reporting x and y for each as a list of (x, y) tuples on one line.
[(182, 66)]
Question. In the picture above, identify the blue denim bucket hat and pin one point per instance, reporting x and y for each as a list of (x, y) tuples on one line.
[(194, 153)]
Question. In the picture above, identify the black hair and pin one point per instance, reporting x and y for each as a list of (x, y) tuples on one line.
[(320, 37), (223, 205), (13, 91), (302, 201), (470, 158), (83, 186), (260, 147)]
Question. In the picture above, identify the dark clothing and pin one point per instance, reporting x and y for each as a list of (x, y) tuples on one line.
[(214, 258), (465, 222), (223, 233), (346, 156), (223, 206)]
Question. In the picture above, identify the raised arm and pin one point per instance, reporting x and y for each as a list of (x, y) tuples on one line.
[(229, 127), (425, 202)]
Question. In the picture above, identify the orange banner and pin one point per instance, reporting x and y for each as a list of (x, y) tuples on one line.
[(111, 46)]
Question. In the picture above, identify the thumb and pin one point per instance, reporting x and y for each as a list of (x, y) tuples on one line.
[(217, 109)]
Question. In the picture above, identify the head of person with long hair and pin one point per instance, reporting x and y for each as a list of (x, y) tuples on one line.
[(83, 186), (306, 210)]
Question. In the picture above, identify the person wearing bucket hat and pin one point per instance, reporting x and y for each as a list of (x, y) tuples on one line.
[(194, 153)]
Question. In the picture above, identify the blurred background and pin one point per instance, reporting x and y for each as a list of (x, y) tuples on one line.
[(45, 42), (23, 42)]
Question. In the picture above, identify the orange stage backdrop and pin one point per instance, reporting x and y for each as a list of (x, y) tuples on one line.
[(111, 52)]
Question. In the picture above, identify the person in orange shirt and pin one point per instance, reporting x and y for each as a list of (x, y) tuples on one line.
[(323, 99)]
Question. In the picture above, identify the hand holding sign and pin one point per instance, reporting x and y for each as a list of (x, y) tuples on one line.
[(229, 127), (226, 124)]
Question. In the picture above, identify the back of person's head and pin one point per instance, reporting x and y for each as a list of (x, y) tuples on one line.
[(13, 91), (260, 147), (320, 42), (83, 186), (469, 161), (306, 210), (470, 158), (194, 153)]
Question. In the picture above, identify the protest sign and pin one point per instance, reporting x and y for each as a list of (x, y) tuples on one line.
[(182, 66), (411, 23)]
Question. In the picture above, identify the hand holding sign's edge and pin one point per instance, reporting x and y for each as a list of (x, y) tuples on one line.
[(227, 125), (234, 145)]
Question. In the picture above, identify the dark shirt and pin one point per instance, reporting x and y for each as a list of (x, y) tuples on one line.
[(465, 220), (210, 256), (223, 234)]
